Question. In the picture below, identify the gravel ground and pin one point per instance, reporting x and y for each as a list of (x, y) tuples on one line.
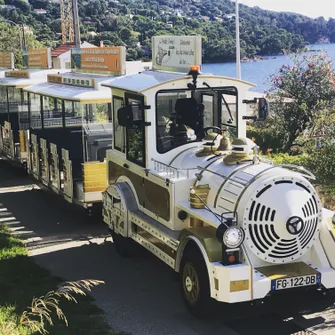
[(140, 295)]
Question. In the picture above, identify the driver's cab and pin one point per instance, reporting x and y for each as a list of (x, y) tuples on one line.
[(157, 115), (200, 116)]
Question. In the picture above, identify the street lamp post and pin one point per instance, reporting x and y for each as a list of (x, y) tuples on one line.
[(238, 47)]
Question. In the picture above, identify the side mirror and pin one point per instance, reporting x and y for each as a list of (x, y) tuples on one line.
[(125, 116), (263, 109)]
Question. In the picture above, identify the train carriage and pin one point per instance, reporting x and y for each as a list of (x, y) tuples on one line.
[(70, 131), (14, 111), (70, 125), (186, 184)]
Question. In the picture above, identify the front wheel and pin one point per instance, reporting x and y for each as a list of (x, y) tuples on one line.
[(194, 284)]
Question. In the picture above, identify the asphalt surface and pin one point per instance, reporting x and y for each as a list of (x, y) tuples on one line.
[(140, 295)]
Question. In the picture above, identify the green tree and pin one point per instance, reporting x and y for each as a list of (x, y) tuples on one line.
[(299, 94), (262, 32), (10, 37)]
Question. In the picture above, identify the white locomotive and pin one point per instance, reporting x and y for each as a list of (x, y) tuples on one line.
[(186, 184)]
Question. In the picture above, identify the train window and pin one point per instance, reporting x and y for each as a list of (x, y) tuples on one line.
[(69, 108), (73, 112), (35, 111), (52, 112), (135, 134), (3, 102), (178, 120), (14, 99), (24, 101), (119, 132), (24, 110), (228, 104), (101, 113), (96, 113), (208, 101)]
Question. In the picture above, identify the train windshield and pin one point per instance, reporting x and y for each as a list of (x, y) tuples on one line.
[(183, 116)]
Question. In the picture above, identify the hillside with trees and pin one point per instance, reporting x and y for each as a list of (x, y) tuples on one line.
[(134, 22)]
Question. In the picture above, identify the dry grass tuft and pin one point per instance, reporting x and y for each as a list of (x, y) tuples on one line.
[(39, 315)]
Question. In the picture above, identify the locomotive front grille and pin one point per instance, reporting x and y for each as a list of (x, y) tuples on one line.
[(281, 221)]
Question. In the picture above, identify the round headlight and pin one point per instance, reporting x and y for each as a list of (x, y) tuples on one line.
[(233, 237)]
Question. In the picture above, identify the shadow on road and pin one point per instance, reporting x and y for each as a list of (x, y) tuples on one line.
[(12, 176), (141, 294)]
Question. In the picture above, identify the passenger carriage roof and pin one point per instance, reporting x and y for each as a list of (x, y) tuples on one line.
[(143, 81), (18, 82), (13, 81), (75, 93), (68, 92), (78, 75), (35, 76)]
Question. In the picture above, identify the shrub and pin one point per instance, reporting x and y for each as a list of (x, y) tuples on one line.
[(300, 93), (301, 160), (322, 163), (265, 137)]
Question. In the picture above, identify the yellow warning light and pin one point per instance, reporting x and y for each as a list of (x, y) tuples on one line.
[(194, 68)]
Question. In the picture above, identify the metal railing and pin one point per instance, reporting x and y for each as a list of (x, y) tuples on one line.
[(170, 171)]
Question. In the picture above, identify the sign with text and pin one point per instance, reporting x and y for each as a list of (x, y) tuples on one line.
[(107, 60), (70, 80), (54, 78), (6, 60), (176, 53), (17, 74), (38, 58)]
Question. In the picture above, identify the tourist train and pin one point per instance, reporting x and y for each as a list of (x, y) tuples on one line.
[(165, 152)]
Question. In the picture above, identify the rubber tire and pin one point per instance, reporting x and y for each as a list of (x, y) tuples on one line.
[(124, 246), (203, 308)]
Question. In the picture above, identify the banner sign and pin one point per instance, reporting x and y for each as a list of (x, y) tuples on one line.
[(70, 80), (7, 60), (107, 60), (38, 58), (54, 78), (176, 53), (17, 74)]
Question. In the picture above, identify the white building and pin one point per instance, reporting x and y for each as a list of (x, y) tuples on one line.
[(9, 7), (61, 56), (40, 11)]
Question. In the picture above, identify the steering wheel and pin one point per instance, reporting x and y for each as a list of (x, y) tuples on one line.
[(215, 130)]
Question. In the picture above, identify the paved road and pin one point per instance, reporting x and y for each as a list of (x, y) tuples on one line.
[(140, 295)]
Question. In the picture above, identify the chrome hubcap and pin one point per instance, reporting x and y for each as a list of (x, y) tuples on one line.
[(191, 283), (188, 284)]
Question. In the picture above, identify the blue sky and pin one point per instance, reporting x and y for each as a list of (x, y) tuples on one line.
[(311, 8)]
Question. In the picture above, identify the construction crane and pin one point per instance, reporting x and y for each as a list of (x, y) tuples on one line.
[(70, 22)]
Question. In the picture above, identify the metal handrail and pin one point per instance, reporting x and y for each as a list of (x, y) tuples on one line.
[(173, 172), (210, 171), (306, 173)]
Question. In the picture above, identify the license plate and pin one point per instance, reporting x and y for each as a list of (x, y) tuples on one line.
[(286, 283)]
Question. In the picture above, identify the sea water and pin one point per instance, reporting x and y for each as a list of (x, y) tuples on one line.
[(259, 72)]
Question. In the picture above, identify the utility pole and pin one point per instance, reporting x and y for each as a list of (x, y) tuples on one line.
[(66, 17), (24, 39), (76, 23), (238, 46)]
